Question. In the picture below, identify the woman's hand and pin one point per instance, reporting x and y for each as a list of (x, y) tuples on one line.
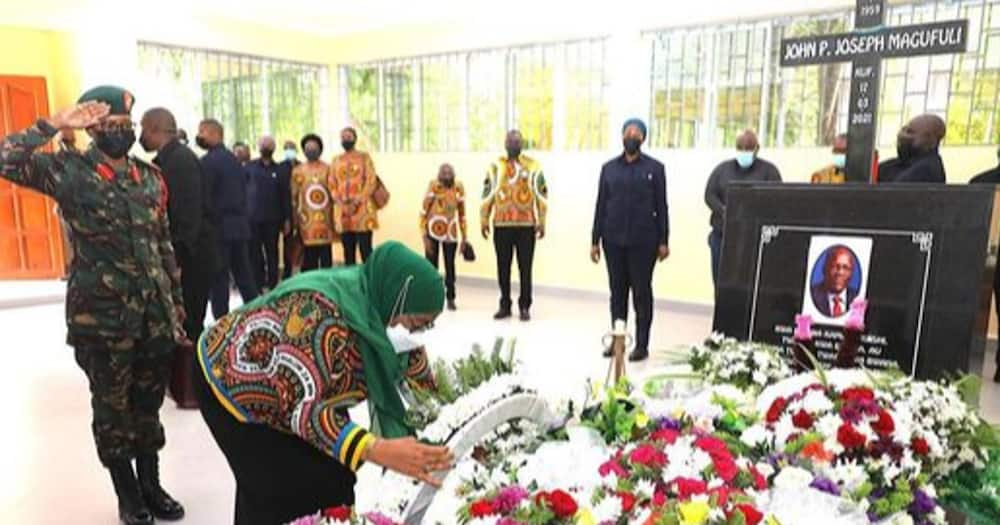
[(411, 458)]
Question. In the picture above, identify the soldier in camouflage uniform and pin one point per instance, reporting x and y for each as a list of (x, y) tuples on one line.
[(123, 299)]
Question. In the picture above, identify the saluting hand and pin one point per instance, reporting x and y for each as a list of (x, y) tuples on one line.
[(80, 116), (411, 458)]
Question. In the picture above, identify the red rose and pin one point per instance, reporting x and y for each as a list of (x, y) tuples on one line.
[(777, 407), (628, 501), (721, 496), (802, 420), (759, 481), (659, 499), (849, 437), (648, 456), (665, 435), (751, 515), (613, 466), (726, 468), (482, 508), (562, 504), (341, 513), (920, 446), (885, 425), (712, 445), (858, 394), (689, 487)]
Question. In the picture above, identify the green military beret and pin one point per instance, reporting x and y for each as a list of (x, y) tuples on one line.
[(120, 100)]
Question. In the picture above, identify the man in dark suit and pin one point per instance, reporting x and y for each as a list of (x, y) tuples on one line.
[(632, 223), (270, 213), (230, 209), (917, 146), (833, 296), (192, 228), (993, 177)]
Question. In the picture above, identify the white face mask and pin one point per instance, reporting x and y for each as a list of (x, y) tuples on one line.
[(404, 340)]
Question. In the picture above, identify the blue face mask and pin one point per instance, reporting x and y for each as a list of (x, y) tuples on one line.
[(745, 158), (290, 155), (840, 160)]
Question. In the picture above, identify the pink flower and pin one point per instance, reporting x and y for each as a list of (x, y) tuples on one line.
[(803, 327), (689, 487), (648, 456), (612, 466)]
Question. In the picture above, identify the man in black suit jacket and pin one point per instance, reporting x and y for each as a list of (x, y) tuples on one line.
[(833, 296), (917, 146), (993, 177), (189, 210)]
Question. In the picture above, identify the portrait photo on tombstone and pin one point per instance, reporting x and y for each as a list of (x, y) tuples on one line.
[(837, 276)]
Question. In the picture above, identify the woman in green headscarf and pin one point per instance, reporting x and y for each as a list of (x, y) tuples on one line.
[(276, 377)]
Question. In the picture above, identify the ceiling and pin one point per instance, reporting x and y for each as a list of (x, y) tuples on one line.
[(332, 18)]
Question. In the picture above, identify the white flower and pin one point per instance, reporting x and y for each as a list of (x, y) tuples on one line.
[(783, 429), (754, 436), (793, 478), (645, 489), (760, 378), (487, 520), (765, 469), (816, 402), (608, 509), (900, 518), (938, 517)]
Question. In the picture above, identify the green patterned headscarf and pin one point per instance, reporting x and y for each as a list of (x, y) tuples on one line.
[(395, 280)]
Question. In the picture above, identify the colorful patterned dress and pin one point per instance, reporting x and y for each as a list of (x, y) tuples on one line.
[(294, 365), (443, 214), (312, 203), (515, 193), (352, 182)]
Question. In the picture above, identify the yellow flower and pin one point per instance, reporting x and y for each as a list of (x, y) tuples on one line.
[(694, 512), (585, 517), (597, 389), (678, 413), (641, 420), (771, 520)]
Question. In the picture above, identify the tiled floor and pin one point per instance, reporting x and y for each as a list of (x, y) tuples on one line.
[(49, 473)]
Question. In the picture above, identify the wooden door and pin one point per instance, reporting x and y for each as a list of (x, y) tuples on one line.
[(30, 234)]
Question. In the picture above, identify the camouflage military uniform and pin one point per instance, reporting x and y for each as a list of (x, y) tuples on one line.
[(123, 286)]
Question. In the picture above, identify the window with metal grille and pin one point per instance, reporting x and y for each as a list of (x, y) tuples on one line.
[(465, 101), (708, 83), (250, 95)]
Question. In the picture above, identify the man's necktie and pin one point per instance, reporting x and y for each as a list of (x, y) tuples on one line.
[(838, 307)]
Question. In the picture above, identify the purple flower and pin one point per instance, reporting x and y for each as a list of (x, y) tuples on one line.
[(850, 414), (667, 423), (508, 499), (922, 504), (825, 485)]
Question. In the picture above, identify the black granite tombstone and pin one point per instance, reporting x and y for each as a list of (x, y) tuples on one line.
[(923, 257)]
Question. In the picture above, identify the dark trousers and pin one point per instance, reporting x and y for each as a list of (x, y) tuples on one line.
[(279, 476), (317, 257), (450, 248), (264, 254), (292, 253), (354, 242), (715, 246), (996, 298), (128, 379), (630, 268), (506, 240), (196, 285), (236, 262)]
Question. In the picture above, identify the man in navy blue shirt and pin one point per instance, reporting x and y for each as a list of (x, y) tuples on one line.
[(632, 224), (230, 203), (269, 213)]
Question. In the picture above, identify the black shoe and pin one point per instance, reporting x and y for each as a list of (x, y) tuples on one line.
[(132, 509), (638, 355), (503, 313), (451, 305), (160, 503), (525, 315), (996, 375), (608, 352)]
